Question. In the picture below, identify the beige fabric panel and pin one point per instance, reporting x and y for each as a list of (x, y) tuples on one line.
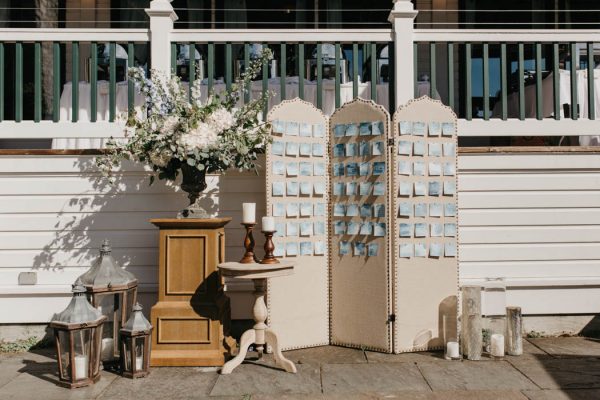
[(359, 284), (298, 304), (426, 288)]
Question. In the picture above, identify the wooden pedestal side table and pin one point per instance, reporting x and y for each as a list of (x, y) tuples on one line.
[(260, 333), (192, 316)]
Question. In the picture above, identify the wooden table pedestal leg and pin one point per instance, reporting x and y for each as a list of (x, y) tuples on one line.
[(258, 334)]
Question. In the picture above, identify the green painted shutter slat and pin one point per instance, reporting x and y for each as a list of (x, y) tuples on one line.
[(93, 81), (265, 84), (486, 81), (112, 87), (338, 76), (469, 108), (130, 84), (55, 81), (37, 82), (521, 70), (211, 66), (591, 86), (556, 80), (301, 70), (283, 70), (450, 48), (503, 82), (574, 105), (228, 70), (2, 82), (355, 70), (319, 76), (18, 81), (173, 58), (539, 100), (192, 68), (75, 82), (432, 71), (373, 48)]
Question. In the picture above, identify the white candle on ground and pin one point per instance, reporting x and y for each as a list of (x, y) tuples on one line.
[(268, 224), (497, 345), (249, 213), (81, 367), (139, 361), (108, 348), (452, 350)]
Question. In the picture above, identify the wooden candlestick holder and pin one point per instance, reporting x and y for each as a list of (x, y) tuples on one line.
[(249, 256), (269, 248)]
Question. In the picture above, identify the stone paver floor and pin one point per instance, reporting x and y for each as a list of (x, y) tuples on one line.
[(550, 369)]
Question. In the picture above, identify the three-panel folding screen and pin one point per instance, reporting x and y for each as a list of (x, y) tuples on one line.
[(366, 208)]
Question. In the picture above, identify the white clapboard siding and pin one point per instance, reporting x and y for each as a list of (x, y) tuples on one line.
[(56, 210), (534, 220)]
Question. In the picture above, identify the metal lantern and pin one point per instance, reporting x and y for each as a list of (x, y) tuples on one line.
[(77, 331), (135, 345), (113, 291)]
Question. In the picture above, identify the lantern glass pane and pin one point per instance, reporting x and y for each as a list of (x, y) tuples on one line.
[(105, 304), (65, 345), (127, 342), (139, 353), (82, 345), (97, 346)]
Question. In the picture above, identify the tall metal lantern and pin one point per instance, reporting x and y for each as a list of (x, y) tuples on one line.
[(135, 345), (113, 291), (77, 332)]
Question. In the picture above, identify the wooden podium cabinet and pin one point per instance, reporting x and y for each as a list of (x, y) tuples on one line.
[(192, 316)]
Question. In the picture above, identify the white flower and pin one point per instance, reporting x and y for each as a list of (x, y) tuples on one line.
[(161, 158), (204, 136), (169, 125), (220, 120)]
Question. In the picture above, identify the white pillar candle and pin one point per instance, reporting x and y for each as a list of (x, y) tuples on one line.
[(268, 224), (497, 345), (249, 213), (139, 361), (81, 367), (108, 348), (452, 350)]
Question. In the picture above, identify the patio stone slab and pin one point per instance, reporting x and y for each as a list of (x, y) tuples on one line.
[(553, 373), (262, 378), (326, 355), (376, 378), (569, 347), (41, 384), (581, 394), (164, 383), (474, 375), (375, 357)]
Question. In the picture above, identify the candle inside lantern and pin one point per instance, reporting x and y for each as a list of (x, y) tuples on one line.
[(268, 224), (108, 349), (249, 213), (81, 367), (452, 350), (497, 345), (139, 362)]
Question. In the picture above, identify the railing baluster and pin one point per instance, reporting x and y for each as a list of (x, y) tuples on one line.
[(93, 81), (556, 80), (2, 82), (191, 67), (112, 88), (468, 106), (301, 70), (265, 83), (432, 70), (574, 103), (37, 82), (18, 81), (354, 70), (590, 79), (521, 72), (173, 58), (450, 51), (416, 69), (338, 99), (503, 82), (283, 71), (55, 81), (75, 82), (486, 81), (373, 48), (319, 76), (391, 77), (228, 71), (130, 84), (539, 100), (246, 65)]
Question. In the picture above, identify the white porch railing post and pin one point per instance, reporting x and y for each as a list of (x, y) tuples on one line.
[(402, 18), (162, 16)]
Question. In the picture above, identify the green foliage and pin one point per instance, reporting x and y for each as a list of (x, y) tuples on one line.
[(23, 345)]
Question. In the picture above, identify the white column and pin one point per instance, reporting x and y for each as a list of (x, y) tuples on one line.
[(162, 16), (402, 18)]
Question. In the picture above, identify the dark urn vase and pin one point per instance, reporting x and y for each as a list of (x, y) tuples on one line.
[(193, 183)]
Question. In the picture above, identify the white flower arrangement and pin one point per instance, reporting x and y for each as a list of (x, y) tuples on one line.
[(178, 129)]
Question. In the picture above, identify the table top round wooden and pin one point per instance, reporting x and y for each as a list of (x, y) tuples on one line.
[(255, 270)]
